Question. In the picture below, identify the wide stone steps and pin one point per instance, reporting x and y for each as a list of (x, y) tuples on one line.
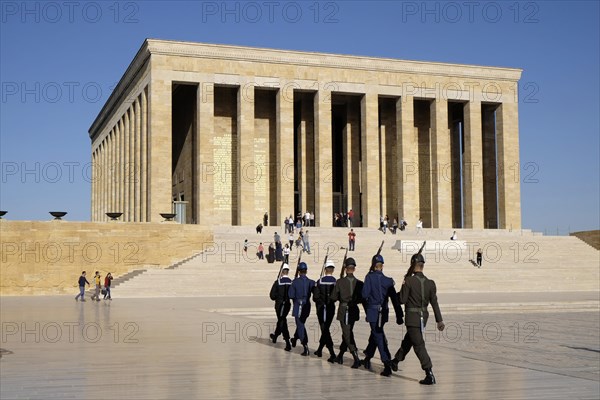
[(513, 262)]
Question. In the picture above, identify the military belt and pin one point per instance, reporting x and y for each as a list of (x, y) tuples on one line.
[(416, 309)]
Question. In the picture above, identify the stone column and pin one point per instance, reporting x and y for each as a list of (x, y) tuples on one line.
[(111, 173), (408, 171), (509, 188), (370, 173), (473, 167), (205, 166), (323, 160), (247, 214), (93, 207), (144, 159), (121, 168), (302, 158), (126, 166), (160, 148), (131, 164), (136, 161), (284, 104), (382, 173), (104, 163), (441, 165)]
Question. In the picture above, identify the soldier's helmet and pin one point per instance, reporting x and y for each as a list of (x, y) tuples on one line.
[(350, 262), (329, 264), (378, 258), (418, 257), (302, 266)]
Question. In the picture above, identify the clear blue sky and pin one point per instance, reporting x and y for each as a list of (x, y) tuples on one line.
[(59, 62)]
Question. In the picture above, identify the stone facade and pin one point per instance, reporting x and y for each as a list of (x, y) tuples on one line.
[(237, 131)]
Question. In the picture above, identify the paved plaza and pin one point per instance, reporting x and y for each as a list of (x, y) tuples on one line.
[(219, 348)]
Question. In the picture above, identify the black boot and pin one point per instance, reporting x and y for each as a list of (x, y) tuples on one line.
[(429, 378), (367, 363), (387, 370), (273, 338), (356, 360), (319, 351), (394, 364), (332, 356), (340, 358), (305, 352), (294, 340), (288, 345)]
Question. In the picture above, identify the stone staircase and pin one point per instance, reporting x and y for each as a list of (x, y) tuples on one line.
[(517, 261)]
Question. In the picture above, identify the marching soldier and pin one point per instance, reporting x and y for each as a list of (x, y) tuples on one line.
[(417, 293), (325, 310), (348, 291), (299, 293), (279, 294), (377, 289)]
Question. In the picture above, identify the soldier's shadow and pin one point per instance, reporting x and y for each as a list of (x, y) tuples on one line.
[(375, 368)]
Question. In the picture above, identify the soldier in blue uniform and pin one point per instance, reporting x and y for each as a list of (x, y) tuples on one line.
[(376, 291), (325, 310), (300, 291), (279, 294)]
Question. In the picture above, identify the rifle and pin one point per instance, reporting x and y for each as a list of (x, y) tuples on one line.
[(344, 263), (378, 253), (298, 264), (411, 269), (280, 269), (324, 262)]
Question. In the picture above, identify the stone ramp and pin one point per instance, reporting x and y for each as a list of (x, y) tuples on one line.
[(513, 262)]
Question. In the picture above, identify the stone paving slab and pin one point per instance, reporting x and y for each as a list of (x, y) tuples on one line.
[(56, 348)]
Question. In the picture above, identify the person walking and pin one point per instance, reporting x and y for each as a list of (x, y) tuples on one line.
[(376, 291), (98, 283), (419, 226), (300, 291), (325, 310), (286, 253), (479, 257), (416, 294), (347, 291), (279, 294), (82, 282), (107, 281)]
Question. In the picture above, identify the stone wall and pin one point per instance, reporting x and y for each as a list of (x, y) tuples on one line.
[(47, 257)]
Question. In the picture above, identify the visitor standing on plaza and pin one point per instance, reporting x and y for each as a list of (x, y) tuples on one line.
[(325, 309), (98, 283), (260, 253), (376, 291), (259, 228), (419, 226), (280, 295), (266, 219), (416, 294), (306, 241), (350, 218), (347, 291), (107, 281), (82, 282), (286, 253), (351, 240), (479, 257), (299, 293)]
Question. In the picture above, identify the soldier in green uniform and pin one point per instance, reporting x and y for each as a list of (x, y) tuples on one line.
[(348, 291), (416, 294)]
